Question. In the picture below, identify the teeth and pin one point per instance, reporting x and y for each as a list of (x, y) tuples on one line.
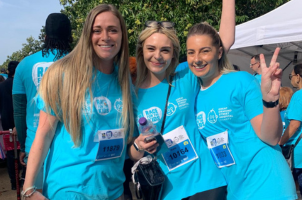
[(200, 67), (105, 46)]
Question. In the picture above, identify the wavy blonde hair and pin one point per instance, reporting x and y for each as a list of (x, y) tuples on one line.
[(142, 69), (224, 66), (64, 85)]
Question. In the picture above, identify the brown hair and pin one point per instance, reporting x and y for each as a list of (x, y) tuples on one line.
[(286, 94)]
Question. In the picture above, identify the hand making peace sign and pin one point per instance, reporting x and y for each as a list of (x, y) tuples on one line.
[(271, 78)]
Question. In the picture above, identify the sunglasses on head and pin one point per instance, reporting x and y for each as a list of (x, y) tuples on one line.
[(164, 24)]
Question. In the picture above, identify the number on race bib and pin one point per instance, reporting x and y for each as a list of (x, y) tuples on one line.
[(111, 148), (178, 153)]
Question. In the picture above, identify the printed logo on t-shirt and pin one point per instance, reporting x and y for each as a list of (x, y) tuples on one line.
[(171, 109), (201, 120), (102, 105), (38, 71), (225, 113), (154, 114), (118, 105), (182, 103), (212, 117)]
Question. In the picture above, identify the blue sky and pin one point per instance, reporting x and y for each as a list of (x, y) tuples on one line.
[(20, 19)]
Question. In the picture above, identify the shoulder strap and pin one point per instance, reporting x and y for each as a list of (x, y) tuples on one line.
[(298, 140), (164, 119)]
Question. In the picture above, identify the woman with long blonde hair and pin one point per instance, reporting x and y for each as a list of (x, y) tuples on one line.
[(86, 115)]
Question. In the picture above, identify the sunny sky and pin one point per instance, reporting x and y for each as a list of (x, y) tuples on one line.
[(20, 19)]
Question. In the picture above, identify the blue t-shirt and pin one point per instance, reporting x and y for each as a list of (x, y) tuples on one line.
[(74, 173), (27, 79), (260, 171), (294, 112), (258, 78), (198, 175), (282, 113), (4, 75)]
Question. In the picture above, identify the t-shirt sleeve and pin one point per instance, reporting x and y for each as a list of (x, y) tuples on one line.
[(252, 98), (190, 80), (41, 105), (182, 66), (295, 109), (18, 87)]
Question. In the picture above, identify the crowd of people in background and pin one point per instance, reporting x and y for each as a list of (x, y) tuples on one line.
[(76, 113)]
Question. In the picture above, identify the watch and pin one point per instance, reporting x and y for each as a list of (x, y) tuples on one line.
[(270, 104), (137, 148)]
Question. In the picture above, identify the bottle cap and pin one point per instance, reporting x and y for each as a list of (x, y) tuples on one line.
[(142, 121)]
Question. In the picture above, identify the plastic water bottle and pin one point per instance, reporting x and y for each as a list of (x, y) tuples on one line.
[(146, 126)]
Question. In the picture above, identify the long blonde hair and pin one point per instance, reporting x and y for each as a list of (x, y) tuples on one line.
[(64, 85), (224, 66), (142, 69)]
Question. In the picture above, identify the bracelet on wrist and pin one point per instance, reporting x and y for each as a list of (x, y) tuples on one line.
[(137, 147), (24, 195), (270, 104)]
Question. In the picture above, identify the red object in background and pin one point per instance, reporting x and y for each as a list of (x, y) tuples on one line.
[(9, 145)]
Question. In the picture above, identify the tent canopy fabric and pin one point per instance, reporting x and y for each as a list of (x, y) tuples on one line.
[(282, 28)]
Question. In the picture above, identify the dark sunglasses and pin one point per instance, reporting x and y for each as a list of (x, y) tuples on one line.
[(164, 24)]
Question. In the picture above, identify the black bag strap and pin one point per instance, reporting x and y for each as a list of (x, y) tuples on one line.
[(298, 140), (166, 107)]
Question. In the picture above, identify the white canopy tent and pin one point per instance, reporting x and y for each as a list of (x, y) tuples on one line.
[(281, 27)]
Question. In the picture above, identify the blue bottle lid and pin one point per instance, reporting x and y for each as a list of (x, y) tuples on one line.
[(142, 121)]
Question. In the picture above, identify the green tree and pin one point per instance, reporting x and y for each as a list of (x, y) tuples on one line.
[(32, 46), (184, 13)]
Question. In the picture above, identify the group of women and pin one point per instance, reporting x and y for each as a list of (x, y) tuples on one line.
[(222, 140)]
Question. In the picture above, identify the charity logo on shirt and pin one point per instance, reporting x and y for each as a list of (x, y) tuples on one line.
[(171, 109), (182, 103), (38, 71), (212, 116), (153, 114), (102, 105), (201, 120), (118, 105)]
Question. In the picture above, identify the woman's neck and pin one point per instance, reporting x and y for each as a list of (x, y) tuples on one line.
[(207, 82), (152, 80), (105, 67)]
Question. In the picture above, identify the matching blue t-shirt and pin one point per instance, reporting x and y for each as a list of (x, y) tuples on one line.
[(95, 169), (294, 112), (201, 174), (27, 79), (260, 171)]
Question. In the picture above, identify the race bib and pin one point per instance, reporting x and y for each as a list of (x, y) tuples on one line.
[(221, 154), (111, 144), (181, 150)]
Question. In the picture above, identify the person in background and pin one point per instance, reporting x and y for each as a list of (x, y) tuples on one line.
[(255, 66), (3, 73), (236, 68), (133, 70), (7, 117), (286, 94), (27, 80), (293, 126)]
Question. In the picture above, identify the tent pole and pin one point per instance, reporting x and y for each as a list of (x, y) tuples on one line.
[(287, 66)]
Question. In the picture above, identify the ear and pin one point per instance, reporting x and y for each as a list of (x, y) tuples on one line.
[(220, 51)]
